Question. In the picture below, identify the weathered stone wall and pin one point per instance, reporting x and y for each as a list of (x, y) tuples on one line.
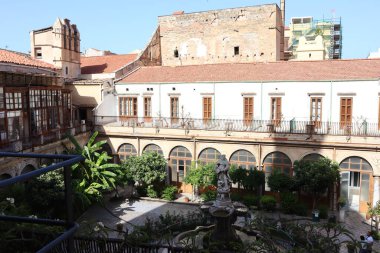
[(152, 53), (213, 36)]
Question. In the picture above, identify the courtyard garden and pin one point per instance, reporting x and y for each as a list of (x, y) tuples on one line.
[(110, 202)]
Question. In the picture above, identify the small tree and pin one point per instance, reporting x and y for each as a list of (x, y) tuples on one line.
[(254, 180), (201, 176), (280, 182), (148, 170), (237, 175), (314, 177)]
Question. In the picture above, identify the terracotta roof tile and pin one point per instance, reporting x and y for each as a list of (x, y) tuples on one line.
[(105, 64), (328, 70), (7, 56)]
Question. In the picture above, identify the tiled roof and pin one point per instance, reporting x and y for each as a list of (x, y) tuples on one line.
[(329, 70), (105, 64), (7, 56)]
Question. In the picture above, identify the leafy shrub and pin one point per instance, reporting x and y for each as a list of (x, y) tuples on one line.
[(141, 191), (323, 211), (254, 179), (268, 203), (235, 196), (169, 192), (251, 200), (208, 195), (375, 235), (288, 202), (280, 182), (237, 175), (301, 209), (151, 193)]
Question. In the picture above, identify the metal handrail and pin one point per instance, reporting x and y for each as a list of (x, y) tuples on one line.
[(71, 227)]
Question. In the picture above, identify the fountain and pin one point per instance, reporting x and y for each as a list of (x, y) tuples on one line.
[(223, 211)]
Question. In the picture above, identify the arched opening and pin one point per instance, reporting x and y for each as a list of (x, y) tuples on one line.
[(179, 164), (312, 157), (244, 159), (27, 168), (126, 150), (153, 148), (276, 161), (5, 176), (356, 182), (209, 155)]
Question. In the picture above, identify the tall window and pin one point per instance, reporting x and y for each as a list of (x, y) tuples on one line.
[(174, 109), (248, 110), (207, 108), (179, 164), (128, 106), (147, 108), (276, 113), (126, 150), (209, 155), (345, 112), (316, 110), (244, 159), (276, 161)]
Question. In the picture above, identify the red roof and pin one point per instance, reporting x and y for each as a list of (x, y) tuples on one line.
[(22, 59), (328, 70), (105, 64)]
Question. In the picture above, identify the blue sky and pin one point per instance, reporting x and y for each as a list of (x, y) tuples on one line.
[(124, 25)]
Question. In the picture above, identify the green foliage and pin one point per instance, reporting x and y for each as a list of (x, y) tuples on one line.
[(235, 196), (95, 174), (201, 175), (280, 182), (323, 211), (301, 209), (342, 201), (46, 194), (268, 203), (148, 170), (151, 193), (288, 203), (314, 177), (254, 179), (208, 195), (251, 200), (169, 192), (237, 175)]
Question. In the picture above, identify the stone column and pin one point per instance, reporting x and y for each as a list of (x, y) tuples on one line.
[(376, 190), (168, 176)]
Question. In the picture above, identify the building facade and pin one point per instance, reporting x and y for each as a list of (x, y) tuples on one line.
[(265, 115)]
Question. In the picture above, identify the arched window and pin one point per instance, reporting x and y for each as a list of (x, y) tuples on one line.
[(355, 182), (276, 161), (179, 163), (153, 148), (126, 150), (312, 157), (209, 155), (244, 159), (27, 168)]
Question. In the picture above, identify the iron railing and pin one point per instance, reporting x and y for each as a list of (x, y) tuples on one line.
[(71, 227), (101, 245), (24, 143), (294, 126)]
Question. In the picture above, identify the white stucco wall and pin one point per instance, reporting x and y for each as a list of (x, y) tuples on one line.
[(228, 98)]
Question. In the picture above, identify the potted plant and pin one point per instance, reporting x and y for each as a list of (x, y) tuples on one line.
[(342, 201), (351, 247)]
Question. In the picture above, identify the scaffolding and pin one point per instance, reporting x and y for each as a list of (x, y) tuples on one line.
[(329, 29)]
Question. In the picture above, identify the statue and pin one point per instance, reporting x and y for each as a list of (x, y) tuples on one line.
[(224, 181)]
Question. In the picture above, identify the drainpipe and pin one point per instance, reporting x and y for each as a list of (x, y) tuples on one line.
[(261, 101), (330, 100)]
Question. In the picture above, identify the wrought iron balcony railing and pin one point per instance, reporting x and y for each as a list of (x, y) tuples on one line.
[(294, 126)]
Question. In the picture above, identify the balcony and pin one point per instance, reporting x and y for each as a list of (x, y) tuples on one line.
[(363, 128)]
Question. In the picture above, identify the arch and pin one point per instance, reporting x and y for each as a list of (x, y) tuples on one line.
[(276, 161), (209, 155), (244, 159), (356, 182), (312, 157), (27, 168), (179, 164), (153, 148), (5, 176), (126, 150)]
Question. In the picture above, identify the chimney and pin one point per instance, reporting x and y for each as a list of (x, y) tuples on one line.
[(283, 11)]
